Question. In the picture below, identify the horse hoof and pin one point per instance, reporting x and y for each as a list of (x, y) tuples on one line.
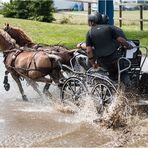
[(48, 94), (7, 86), (25, 98)]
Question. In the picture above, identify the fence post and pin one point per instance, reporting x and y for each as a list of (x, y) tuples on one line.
[(141, 17), (120, 15), (89, 8)]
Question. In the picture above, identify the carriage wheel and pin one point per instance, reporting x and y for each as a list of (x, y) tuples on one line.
[(73, 90), (103, 95)]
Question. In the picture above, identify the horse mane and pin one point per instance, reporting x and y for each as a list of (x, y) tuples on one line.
[(20, 36), (6, 40), (22, 39), (58, 45)]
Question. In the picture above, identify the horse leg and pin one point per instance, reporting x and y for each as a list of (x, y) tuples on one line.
[(34, 85), (5, 82), (46, 91), (47, 85), (15, 77)]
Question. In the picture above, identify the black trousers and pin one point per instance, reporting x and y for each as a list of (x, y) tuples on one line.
[(110, 64)]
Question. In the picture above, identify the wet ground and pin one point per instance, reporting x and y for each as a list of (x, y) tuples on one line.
[(42, 122)]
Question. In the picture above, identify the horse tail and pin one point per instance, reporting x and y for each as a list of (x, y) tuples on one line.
[(5, 82)]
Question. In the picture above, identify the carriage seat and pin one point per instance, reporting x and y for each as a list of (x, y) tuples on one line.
[(134, 55)]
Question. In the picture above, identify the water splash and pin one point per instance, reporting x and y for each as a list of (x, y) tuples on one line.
[(88, 112), (116, 114), (85, 112)]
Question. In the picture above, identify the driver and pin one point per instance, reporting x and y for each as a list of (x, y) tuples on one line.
[(105, 21), (100, 43)]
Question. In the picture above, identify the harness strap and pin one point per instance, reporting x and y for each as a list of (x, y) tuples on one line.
[(14, 56), (32, 60)]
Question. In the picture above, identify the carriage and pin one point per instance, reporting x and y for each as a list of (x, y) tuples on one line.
[(77, 80), (97, 82)]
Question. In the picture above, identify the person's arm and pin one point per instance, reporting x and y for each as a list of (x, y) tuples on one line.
[(124, 43), (89, 51), (119, 31), (120, 39)]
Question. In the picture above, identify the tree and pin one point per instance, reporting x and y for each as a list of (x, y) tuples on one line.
[(23, 9), (29, 9), (9, 9), (43, 10)]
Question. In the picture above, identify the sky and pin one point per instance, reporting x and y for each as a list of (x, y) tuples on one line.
[(1, 1)]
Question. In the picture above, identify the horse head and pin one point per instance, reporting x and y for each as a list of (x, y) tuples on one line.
[(6, 42), (22, 39), (7, 27)]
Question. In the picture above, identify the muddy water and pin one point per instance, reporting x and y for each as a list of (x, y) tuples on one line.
[(42, 122)]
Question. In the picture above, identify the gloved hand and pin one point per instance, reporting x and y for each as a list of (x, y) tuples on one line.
[(130, 46), (96, 66), (81, 45)]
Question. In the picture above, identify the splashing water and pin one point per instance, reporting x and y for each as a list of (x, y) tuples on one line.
[(117, 112), (88, 112)]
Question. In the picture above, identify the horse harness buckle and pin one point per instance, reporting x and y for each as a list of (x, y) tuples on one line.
[(16, 54)]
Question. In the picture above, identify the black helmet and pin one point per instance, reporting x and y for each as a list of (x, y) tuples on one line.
[(105, 19), (99, 17), (93, 18)]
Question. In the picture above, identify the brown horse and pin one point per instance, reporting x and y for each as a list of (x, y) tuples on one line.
[(22, 39), (34, 65)]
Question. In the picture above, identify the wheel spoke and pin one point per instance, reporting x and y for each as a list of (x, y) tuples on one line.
[(80, 89), (98, 92), (71, 88), (75, 86), (105, 94), (64, 91)]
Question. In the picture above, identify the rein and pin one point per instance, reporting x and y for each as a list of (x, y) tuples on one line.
[(12, 65)]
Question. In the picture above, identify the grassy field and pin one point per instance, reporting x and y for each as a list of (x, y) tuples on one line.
[(49, 33), (67, 34), (130, 17)]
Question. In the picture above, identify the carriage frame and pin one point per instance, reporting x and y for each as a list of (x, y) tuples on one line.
[(97, 83)]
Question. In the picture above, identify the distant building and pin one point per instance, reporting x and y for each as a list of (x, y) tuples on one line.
[(63, 4), (131, 1), (127, 3)]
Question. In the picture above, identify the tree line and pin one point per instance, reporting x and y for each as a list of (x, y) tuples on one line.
[(29, 9)]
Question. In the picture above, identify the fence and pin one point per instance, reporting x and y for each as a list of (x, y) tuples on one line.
[(141, 9)]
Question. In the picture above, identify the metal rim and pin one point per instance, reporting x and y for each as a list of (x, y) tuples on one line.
[(72, 91), (102, 95)]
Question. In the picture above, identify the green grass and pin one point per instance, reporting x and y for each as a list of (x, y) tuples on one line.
[(49, 33), (65, 34)]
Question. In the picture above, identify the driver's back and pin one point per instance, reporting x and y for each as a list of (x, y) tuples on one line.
[(102, 38)]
